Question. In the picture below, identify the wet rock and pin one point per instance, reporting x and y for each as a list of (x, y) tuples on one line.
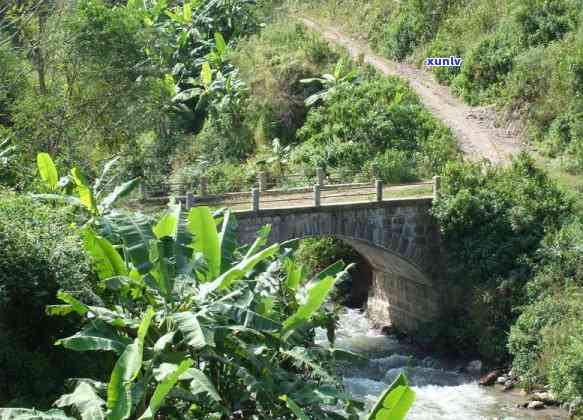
[(536, 405), (546, 397), (502, 379), (508, 385), (475, 366), (389, 330), (574, 406), (489, 379)]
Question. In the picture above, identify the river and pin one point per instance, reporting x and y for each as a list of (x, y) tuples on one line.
[(444, 391)]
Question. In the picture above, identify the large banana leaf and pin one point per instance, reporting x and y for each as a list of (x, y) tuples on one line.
[(99, 182), (395, 401), (73, 305), (107, 261), (85, 192), (48, 170), (97, 336), (135, 230), (86, 401), (189, 326), (239, 271), (201, 384), (317, 295), (127, 368), (205, 238), (174, 224), (163, 389), (164, 272), (119, 192), (295, 274), (228, 241)]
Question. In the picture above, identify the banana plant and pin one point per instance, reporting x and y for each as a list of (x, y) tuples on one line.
[(200, 326), (75, 189), (330, 83), (211, 92), (278, 157)]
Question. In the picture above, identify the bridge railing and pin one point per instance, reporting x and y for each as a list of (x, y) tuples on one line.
[(327, 189)]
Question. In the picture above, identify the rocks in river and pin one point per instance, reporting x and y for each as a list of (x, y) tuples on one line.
[(548, 398), (502, 379), (490, 378), (508, 385), (536, 405)]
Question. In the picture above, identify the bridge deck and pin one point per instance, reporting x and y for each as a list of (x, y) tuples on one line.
[(329, 196)]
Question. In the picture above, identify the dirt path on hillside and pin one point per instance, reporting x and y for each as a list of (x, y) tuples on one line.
[(474, 127)]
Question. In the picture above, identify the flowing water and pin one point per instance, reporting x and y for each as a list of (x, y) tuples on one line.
[(443, 390)]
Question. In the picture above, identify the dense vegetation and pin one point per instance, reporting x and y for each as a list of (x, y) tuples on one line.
[(203, 327), (40, 253), (524, 56), (511, 236)]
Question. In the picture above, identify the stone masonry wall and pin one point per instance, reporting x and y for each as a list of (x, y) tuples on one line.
[(399, 238)]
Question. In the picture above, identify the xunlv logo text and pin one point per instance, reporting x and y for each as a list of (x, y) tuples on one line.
[(453, 61)]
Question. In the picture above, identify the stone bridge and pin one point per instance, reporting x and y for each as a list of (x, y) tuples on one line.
[(398, 237)]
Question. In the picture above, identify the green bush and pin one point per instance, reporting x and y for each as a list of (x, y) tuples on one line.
[(544, 21), (39, 254), (413, 23), (543, 341), (486, 67), (396, 166), (231, 177), (359, 122), (493, 221), (566, 375)]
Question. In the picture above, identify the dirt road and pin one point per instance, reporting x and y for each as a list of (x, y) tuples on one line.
[(474, 126)]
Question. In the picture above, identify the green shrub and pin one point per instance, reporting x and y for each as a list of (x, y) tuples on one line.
[(358, 122), (543, 21), (39, 254), (395, 166), (486, 67), (231, 177), (493, 221), (566, 375), (543, 339), (413, 23)]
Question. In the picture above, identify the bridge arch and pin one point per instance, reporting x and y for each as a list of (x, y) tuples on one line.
[(398, 238)]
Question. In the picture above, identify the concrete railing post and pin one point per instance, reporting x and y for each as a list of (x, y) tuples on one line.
[(436, 187), (317, 196), (189, 200), (375, 171), (320, 176), (204, 186), (255, 197), (379, 186), (262, 178)]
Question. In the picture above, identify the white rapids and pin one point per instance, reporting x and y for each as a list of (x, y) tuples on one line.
[(443, 390)]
